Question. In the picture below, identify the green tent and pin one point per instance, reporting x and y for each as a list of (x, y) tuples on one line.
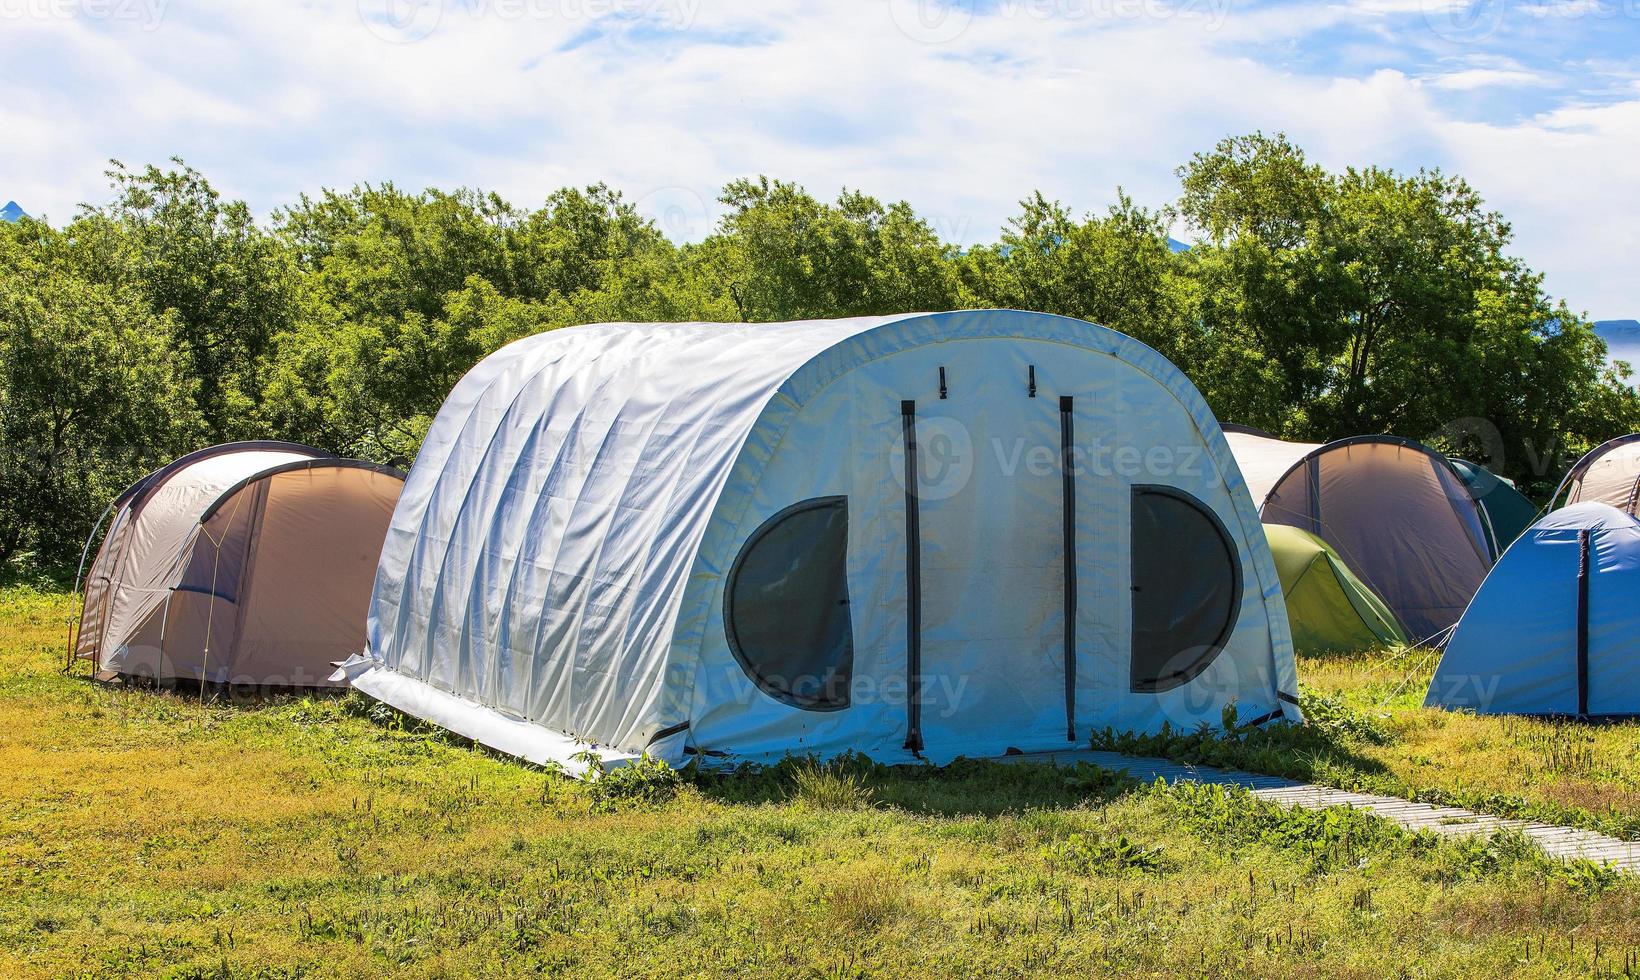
[(1330, 610), (1507, 509)]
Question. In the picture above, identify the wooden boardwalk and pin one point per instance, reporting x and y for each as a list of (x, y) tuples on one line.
[(1566, 843)]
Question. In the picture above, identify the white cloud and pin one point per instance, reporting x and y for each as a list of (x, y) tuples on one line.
[(521, 96), (1473, 79)]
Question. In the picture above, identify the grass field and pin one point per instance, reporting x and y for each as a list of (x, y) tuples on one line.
[(150, 834)]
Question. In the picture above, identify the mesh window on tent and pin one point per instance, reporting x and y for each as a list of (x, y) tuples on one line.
[(787, 609), (1186, 587)]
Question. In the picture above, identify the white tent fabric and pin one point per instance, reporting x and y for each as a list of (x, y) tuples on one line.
[(1264, 459), (1555, 629), (555, 572)]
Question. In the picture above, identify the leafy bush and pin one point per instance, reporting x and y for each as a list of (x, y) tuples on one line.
[(1087, 855), (642, 782), (1329, 713), (1334, 837)]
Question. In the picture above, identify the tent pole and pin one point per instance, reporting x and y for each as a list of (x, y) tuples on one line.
[(913, 581), (78, 572)]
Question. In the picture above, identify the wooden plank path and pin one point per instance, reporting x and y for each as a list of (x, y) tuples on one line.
[(1566, 843)]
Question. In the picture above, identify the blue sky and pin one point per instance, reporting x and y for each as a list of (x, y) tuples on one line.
[(960, 107)]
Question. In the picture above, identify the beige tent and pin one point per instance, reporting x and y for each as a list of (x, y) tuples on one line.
[(247, 563), (1608, 474), (1397, 512)]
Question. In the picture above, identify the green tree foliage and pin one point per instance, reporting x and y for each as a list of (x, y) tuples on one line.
[(1333, 300), (409, 291), (227, 285), (1316, 304), (91, 397), (1117, 270), (781, 254)]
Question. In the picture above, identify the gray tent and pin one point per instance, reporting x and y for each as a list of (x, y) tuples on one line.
[(1396, 511), (247, 563)]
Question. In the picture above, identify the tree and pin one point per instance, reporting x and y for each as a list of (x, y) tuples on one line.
[(780, 254), (1371, 301), (408, 292), (1117, 270), (227, 285), (90, 396)]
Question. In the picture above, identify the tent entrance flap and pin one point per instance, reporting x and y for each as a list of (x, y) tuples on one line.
[(990, 496)]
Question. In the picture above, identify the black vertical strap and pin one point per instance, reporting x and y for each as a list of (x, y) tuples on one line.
[(942, 381), (1068, 483), (1031, 387), (1583, 623), (913, 578), (1312, 476)]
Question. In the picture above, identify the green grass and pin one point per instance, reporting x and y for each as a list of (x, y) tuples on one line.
[(1371, 733), (151, 834)]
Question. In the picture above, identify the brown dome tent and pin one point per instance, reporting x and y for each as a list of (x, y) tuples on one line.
[(1608, 474), (1396, 511), (246, 563)]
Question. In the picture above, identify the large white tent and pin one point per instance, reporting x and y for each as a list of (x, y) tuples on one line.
[(700, 538)]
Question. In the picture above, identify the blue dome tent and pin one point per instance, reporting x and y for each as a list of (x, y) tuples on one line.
[(1555, 628)]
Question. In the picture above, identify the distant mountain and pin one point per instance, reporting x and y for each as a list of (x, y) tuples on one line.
[(1175, 245), (1622, 339), (11, 212)]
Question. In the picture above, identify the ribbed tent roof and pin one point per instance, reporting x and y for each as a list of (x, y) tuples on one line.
[(576, 486)]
